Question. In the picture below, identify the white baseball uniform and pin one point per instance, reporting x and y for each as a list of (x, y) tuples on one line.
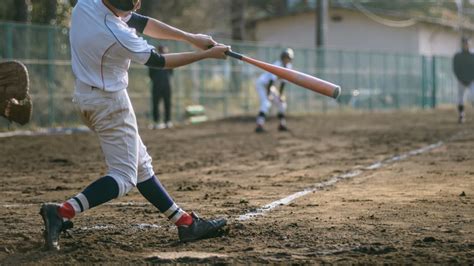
[(267, 99), (102, 47)]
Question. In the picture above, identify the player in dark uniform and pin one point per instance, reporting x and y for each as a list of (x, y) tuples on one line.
[(161, 90), (463, 66)]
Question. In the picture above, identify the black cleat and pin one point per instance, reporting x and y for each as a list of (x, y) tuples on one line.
[(282, 128), (53, 225), (259, 129), (201, 229)]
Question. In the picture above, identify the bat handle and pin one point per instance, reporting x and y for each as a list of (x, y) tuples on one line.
[(234, 55), (230, 53)]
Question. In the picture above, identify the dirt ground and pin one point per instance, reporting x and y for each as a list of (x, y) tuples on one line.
[(416, 210)]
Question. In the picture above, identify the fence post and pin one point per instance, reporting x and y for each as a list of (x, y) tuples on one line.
[(201, 75), (423, 81), (248, 87), (371, 83), (321, 69), (306, 66), (340, 74), (50, 76), (384, 79), (357, 76), (397, 81), (434, 85), (226, 91), (178, 87)]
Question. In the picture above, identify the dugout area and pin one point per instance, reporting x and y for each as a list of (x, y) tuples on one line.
[(415, 210)]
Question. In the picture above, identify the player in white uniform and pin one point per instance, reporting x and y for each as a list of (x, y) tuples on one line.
[(463, 66), (268, 93), (104, 40)]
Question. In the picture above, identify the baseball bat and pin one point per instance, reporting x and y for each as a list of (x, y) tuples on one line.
[(301, 79)]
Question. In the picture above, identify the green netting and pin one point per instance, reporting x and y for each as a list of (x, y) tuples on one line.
[(226, 88)]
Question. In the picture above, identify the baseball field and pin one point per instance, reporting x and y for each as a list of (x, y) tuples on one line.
[(386, 187)]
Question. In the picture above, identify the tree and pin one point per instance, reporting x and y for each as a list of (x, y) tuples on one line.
[(237, 11), (44, 11), (51, 7), (21, 9)]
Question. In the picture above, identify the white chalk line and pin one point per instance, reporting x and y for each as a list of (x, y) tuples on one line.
[(101, 227), (287, 200), (333, 180), (45, 132)]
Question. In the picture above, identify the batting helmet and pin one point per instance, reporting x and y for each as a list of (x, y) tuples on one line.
[(124, 5), (287, 53)]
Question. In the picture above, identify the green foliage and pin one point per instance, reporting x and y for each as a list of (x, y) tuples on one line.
[(218, 16), (52, 12), (7, 10)]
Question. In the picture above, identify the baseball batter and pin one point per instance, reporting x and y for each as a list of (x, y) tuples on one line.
[(268, 93), (463, 66), (104, 41)]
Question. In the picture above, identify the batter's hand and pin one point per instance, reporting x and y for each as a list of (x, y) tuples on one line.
[(218, 51), (202, 41)]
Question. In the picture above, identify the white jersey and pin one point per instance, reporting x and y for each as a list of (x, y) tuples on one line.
[(267, 76), (102, 46)]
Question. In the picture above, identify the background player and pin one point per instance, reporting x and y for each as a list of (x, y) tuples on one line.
[(104, 40), (463, 66), (269, 94), (161, 90)]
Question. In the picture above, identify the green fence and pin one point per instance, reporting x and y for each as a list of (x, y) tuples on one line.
[(226, 88)]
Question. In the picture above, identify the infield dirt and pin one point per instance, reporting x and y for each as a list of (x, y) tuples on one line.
[(418, 210)]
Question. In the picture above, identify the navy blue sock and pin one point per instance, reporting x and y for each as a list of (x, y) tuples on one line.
[(102, 190), (156, 194)]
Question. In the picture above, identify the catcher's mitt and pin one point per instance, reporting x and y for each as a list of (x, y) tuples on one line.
[(15, 102)]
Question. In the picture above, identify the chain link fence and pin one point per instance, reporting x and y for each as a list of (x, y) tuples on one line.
[(369, 81)]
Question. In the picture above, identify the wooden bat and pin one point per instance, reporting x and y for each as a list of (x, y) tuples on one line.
[(301, 79)]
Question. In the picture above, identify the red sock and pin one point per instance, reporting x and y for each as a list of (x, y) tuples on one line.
[(66, 211), (185, 219)]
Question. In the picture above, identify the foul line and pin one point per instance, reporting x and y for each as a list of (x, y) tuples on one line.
[(142, 226), (284, 201), (45, 132), (287, 200), (333, 180)]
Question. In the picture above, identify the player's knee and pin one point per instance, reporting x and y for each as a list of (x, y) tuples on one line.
[(265, 105), (145, 173), (125, 182)]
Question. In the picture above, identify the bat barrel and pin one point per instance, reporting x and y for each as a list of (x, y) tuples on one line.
[(301, 79), (337, 92), (312, 83)]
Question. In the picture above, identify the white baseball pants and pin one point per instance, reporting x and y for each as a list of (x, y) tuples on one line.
[(111, 116), (267, 100)]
